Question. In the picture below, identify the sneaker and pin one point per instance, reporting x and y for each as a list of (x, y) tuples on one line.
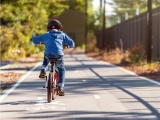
[(61, 91), (42, 73)]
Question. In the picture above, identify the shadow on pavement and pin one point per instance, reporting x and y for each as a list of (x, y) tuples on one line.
[(76, 86), (88, 115)]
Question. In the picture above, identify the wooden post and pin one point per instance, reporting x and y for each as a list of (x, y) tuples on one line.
[(149, 32), (86, 28), (104, 26)]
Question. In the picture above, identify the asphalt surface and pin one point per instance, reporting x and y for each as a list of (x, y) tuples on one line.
[(95, 90)]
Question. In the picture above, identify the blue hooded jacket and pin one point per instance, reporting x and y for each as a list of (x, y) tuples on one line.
[(53, 41)]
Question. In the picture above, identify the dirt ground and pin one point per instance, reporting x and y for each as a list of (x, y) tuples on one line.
[(9, 76), (12, 73)]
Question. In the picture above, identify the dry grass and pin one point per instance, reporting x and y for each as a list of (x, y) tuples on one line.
[(132, 60), (8, 78)]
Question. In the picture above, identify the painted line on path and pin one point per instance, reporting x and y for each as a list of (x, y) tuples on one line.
[(76, 71), (40, 98), (6, 66), (97, 96), (41, 102), (144, 78), (18, 82), (132, 73), (83, 80)]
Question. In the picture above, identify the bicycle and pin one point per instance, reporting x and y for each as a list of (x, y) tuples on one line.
[(52, 81)]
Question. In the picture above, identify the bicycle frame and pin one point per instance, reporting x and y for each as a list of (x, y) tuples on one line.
[(52, 72), (51, 83)]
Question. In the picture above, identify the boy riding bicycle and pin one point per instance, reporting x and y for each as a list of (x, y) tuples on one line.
[(54, 41)]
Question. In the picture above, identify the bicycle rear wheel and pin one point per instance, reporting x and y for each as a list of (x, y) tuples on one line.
[(50, 88), (55, 90)]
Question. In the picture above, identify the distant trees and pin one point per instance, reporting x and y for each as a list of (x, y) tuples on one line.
[(122, 7), (129, 6), (21, 18)]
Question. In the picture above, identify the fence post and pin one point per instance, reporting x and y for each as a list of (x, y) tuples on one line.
[(86, 28), (104, 25), (149, 31)]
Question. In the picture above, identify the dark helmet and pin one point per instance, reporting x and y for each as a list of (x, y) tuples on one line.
[(54, 24)]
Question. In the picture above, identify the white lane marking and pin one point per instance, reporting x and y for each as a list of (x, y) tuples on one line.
[(40, 98), (84, 80), (18, 82), (76, 71), (40, 101), (97, 96), (6, 66), (150, 80), (43, 108), (132, 73)]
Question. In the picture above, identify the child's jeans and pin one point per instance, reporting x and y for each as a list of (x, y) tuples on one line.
[(60, 66)]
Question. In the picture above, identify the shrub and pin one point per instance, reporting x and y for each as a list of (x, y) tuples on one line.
[(91, 43), (83, 46), (136, 54)]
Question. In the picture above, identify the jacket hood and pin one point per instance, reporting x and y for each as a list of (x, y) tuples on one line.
[(55, 33)]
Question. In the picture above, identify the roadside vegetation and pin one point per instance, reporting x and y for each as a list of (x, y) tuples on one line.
[(22, 19), (11, 73), (133, 59)]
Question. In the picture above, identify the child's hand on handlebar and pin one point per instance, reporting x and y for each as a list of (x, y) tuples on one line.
[(65, 46), (38, 44)]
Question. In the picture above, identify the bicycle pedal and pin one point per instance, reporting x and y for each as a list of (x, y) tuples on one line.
[(61, 93), (42, 76)]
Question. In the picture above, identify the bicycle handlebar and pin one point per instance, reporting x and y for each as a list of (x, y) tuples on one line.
[(64, 45)]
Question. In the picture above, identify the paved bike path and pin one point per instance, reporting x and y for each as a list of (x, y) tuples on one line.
[(95, 90)]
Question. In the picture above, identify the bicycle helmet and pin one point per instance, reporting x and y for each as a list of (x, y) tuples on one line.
[(54, 24)]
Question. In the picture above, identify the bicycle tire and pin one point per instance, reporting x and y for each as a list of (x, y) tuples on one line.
[(49, 88), (55, 90)]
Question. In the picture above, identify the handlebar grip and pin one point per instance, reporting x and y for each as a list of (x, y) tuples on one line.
[(65, 46)]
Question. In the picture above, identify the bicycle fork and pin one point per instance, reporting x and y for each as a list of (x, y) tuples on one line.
[(52, 73), (54, 82), (46, 84)]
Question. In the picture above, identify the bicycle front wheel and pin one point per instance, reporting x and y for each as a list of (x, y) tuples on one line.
[(50, 88)]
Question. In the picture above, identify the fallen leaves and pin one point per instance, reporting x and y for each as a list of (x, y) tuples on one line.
[(8, 78)]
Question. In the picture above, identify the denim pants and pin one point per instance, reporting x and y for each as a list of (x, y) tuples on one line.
[(59, 65)]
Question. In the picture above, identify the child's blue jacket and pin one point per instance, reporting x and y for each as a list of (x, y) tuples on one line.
[(54, 41)]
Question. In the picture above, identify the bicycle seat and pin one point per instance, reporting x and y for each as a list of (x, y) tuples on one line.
[(52, 60)]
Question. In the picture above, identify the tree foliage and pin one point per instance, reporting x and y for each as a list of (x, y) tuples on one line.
[(129, 6), (95, 18), (21, 18), (78, 5)]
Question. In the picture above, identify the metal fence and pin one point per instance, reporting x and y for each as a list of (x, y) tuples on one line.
[(132, 32)]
